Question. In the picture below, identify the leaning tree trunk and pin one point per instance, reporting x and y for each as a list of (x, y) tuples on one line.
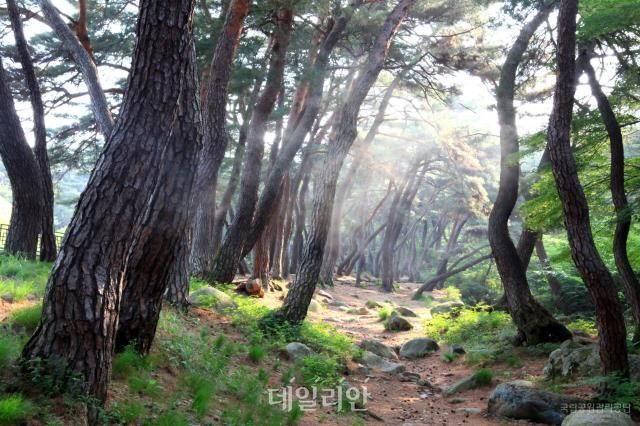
[(47, 239), (129, 216), (594, 273), (618, 193), (535, 324), (228, 257), (85, 64), (24, 176), (343, 134), (215, 137)]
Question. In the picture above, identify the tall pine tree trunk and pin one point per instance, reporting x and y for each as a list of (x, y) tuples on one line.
[(618, 193), (24, 176), (343, 134), (535, 325), (228, 257), (48, 249), (130, 214), (594, 273)]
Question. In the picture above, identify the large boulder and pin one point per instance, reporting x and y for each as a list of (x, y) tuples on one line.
[(376, 362), (444, 307), (295, 351), (464, 384), (379, 349), (597, 418), (211, 296), (574, 358), (418, 348), (397, 323), (406, 312), (515, 401)]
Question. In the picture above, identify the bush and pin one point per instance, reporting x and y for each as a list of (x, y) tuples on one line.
[(385, 313), (128, 361), (27, 318), (9, 350), (321, 371), (129, 412), (14, 409), (256, 353), (469, 326), (483, 376)]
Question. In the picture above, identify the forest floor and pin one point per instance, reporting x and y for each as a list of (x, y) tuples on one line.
[(211, 366)]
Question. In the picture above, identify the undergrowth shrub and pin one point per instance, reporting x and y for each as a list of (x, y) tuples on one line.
[(14, 409), (27, 317)]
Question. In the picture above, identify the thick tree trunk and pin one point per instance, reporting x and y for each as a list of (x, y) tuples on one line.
[(596, 276), (85, 64), (343, 134), (215, 137), (178, 277), (129, 218), (618, 193), (230, 253), (535, 325), (48, 249), (24, 176)]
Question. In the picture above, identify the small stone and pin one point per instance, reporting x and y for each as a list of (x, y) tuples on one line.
[(441, 308), (397, 323), (418, 348), (379, 348), (7, 297), (314, 306), (211, 296), (296, 351), (325, 294), (457, 349), (406, 312), (471, 410), (457, 400)]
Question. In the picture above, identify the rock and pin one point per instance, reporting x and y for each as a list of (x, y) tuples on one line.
[(457, 349), (418, 348), (7, 297), (332, 319), (457, 400), (211, 296), (379, 349), (404, 279), (576, 358), (337, 303), (471, 410), (397, 323), (441, 308), (254, 288), (374, 361), (314, 306), (406, 312), (409, 377), (427, 384), (597, 418), (527, 403), (325, 294), (461, 385), (296, 351), (31, 297), (358, 311)]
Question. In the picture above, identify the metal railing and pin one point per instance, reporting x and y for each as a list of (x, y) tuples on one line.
[(4, 231)]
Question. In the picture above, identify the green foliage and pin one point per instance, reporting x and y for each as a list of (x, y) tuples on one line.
[(601, 17), (468, 326), (256, 353), (27, 317), (23, 278), (203, 391), (129, 361), (584, 325), (171, 418), (9, 349), (452, 294), (14, 409), (128, 412), (372, 304), (320, 370), (143, 384), (385, 313), (449, 357), (619, 390), (483, 376)]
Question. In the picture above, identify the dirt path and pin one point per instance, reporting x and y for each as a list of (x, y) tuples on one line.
[(395, 401)]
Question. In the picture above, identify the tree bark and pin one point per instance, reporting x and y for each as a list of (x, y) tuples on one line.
[(215, 137), (131, 215), (596, 276), (228, 257), (86, 65), (618, 193), (343, 134), (48, 250), (24, 176), (535, 324), (547, 270)]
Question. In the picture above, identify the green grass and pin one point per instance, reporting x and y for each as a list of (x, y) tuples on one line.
[(170, 418), (128, 361), (583, 325), (449, 357), (14, 409), (469, 326), (483, 376), (23, 278), (321, 371), (129, 412), (384, 313), (9, 348), (256, 353), (372, 304), (26, 318), (452, 294)]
